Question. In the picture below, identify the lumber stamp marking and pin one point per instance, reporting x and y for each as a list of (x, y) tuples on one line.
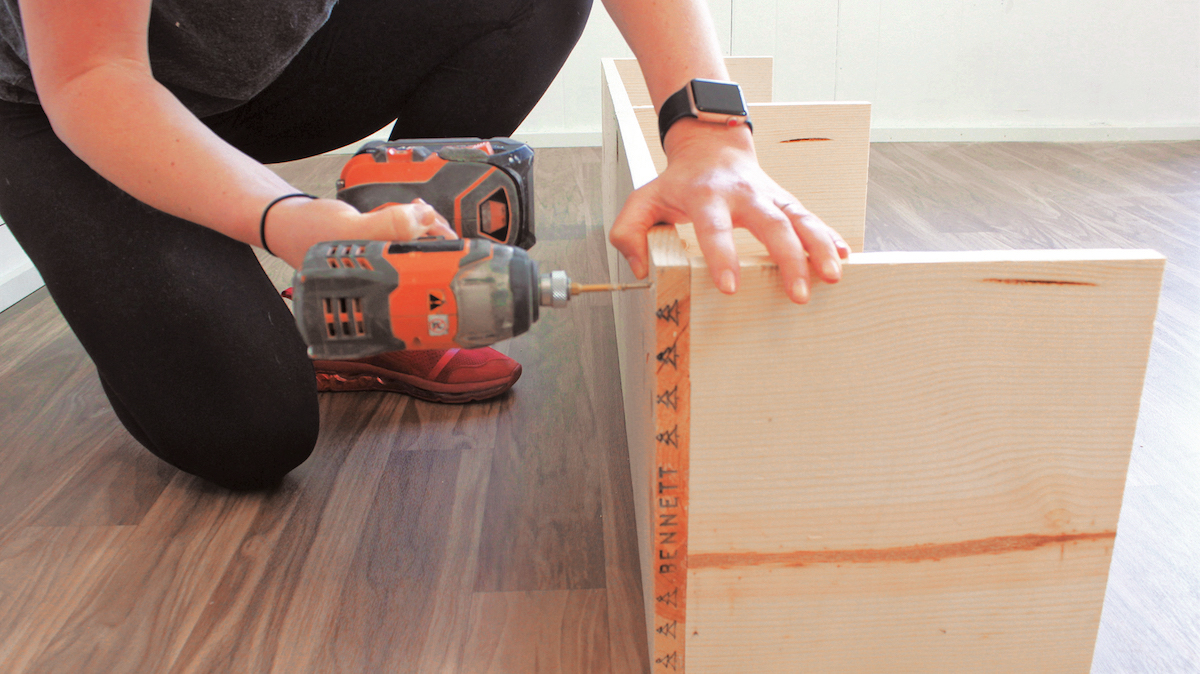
[(672, 409)]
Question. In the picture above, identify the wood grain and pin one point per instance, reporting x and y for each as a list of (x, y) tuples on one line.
[(168, 568), (390, 585), (626, 166), (943, 196), (528, 514), (36, 599), (947, 406), (934, 615)]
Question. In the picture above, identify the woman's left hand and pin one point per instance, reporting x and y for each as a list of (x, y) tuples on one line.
[(713, 180)]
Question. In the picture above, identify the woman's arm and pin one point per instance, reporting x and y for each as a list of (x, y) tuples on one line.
[(712, 179), (91, 66)]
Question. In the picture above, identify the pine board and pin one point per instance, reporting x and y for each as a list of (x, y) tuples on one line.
[(939, 439)]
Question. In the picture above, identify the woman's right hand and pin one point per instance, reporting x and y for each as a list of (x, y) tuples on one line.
[(295, 225)]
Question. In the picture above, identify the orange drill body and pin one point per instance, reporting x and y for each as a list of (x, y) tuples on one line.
[(358, 298)]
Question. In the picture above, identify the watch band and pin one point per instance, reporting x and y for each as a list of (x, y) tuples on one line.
[(676, 107), (680, 104)]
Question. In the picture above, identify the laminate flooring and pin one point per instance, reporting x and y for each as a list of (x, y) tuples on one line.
[(498, 537)]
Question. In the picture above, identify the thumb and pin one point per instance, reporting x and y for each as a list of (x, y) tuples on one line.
[(628, 235)]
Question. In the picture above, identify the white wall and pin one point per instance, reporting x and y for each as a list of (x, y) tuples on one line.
[(944, 69), (18, 278)]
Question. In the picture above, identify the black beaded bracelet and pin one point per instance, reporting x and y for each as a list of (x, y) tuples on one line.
[(262, 226)]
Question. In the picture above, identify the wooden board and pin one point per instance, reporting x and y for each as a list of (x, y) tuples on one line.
[(1014, 612), (920, 470), (932, 431), (620, 175)]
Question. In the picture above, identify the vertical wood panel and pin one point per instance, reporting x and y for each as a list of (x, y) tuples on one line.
[(936, 616), (669, 481)]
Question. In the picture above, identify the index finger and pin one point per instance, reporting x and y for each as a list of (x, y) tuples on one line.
[(714, 232)]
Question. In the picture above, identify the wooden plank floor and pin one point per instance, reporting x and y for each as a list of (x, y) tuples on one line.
[(498, 537)]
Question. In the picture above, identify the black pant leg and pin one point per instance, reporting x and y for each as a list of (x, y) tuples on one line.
[(198, 354)]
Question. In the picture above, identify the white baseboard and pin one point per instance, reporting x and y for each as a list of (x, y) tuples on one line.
[(18, 277), (564, 139), (17, 287), (1035, 134)]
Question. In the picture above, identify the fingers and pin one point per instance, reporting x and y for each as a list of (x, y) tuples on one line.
[(405, 222), (628, 233), (774, 229), (424, 221), (714, 231), (804, 247), (819, 240)]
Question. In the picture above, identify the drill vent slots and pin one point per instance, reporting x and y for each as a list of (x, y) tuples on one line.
[(344, 317), (340, 257)]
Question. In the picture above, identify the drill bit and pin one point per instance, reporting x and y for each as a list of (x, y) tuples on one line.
[(577, 288), (554, 288)]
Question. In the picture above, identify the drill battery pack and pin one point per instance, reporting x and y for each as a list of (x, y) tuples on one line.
[(484, 188)]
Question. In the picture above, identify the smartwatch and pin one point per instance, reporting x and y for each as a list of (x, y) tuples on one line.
[(706, 100)]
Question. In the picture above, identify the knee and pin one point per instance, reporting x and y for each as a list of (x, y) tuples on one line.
[(250, 450), (256, 458)]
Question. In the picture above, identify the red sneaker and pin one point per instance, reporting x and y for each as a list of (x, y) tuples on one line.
[(452, 376)]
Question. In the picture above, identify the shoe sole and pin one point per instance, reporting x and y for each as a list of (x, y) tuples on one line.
[(363, 377)]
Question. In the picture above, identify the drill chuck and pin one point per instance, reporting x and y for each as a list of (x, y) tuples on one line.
[(554, 289)]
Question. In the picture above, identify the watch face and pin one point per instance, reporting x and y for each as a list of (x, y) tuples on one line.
[(722, 98)]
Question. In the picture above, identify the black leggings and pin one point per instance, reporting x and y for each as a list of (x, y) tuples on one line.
[(197, 353)]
